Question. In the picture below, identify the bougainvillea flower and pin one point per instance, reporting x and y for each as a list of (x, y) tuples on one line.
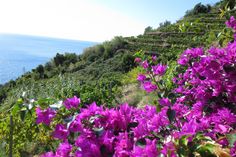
[(45, 116), (164, 102), (48, 154), (72, 102), (149, 150), (154, 58), (141, 77), (149, 87), (145, 64), (64, 149), (60, 132), (231, 23), (159, 69), (137, 60)]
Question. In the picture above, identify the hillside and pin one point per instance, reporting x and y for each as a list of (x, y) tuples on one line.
[(70, 74), (106, 74)]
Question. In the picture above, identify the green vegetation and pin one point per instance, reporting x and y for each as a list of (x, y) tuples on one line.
[(67, 74), (106, 73)]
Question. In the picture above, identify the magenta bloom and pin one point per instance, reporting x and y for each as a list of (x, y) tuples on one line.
[(141, 77), (169, 149), (75, 126), (231, 23), (60, 132), (145, 64), (149, 150), (72, 102), (159, 69), (164, 102), (233, 150), (183, 60), (48, 154), (137, 60), (45, 116), (154, 58), (149, 87), (88, 147), (64, 149)]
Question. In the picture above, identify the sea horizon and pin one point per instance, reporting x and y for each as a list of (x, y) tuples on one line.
[(22, 53)]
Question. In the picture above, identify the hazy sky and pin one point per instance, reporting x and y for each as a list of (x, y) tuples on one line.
[(91, 20)]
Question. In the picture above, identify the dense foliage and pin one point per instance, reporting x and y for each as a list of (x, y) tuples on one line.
[(197, 118)]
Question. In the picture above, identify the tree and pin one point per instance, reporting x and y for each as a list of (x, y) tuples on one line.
[(200, 8), (148, 29), (59, 59), (127, 62), (164, 24), (40, 70)]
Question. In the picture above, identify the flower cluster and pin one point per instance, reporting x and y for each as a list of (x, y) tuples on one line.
[(72, 102), (148, 79), (45, 116), (231, 23), (200, 117)]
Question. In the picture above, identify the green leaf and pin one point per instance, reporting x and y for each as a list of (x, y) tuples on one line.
[(139, 54), (23, 114), (15, 109), (20, 101), (171, 95), (207, 150), (141, 142), (231, 138), (44, 103), (132, 125), (171, 115), (183, 141)]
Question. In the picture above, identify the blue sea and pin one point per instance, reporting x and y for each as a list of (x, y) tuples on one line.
[(21, 53)]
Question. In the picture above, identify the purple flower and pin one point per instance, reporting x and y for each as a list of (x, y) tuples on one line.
[(182, 60), (145, 64), (48, 154), (123, 146), (159, 120), (149, 150), (231, 23), (169, 150), (190, 128), (233, 150), (159, 69), (72, 102), (141, 77), (60, 132), (64, 149), (45, 116), (154, 58), (142, 129), (195, 52), (164, 102), (149, 87), (137, 60), (88, 147), (75, 126)]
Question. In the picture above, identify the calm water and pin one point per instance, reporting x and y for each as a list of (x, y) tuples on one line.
[(19, 53)]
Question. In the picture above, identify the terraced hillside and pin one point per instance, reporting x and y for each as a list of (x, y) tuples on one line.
[(190, 31), (70, 74)]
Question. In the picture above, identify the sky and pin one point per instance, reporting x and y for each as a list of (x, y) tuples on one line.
[(89, 20)]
